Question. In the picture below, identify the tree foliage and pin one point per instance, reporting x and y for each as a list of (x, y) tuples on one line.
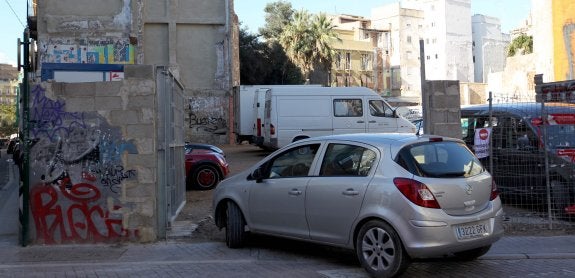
[(308, 40), (522, 44), (278, 15), (8, 124), (265, 63)]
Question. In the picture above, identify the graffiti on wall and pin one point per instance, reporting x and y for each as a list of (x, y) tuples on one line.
[(206, 116), (88, 51), (77, 174)]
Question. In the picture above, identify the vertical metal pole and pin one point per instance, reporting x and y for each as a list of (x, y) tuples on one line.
[(25, 142), (491, 135), (425, 102)]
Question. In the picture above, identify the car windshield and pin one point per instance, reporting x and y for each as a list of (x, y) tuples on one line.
[(439, 160)]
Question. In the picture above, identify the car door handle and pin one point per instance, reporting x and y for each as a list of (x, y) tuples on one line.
[(350, 192), (372, 122), (295, 192), (360, 122)]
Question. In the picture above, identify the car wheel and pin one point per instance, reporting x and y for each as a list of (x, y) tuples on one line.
[(561, 197), (205, 177), (235, 225), (472, 254), (380, 251)]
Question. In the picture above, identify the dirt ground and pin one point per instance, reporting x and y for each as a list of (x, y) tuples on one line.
[(198, 209)]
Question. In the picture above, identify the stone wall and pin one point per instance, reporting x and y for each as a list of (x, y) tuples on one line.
[(93, 160)]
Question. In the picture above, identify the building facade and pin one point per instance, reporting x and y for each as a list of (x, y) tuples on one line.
[(9, 86), (489, 47), (116, 87), (447, 38)]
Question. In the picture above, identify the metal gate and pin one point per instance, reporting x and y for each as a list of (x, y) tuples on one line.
[(171, 176), (532, 159)]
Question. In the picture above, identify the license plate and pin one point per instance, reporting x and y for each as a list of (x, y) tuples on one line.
[(472, 230)]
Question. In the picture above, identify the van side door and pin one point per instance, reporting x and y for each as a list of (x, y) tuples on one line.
[(348, 115), (380, 117)]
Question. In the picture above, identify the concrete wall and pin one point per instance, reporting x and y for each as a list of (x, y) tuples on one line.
[(441, 108), (195, 39), (93, 162)]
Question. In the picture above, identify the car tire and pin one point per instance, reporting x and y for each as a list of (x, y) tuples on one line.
[(235, 226), (204, 177), (380, 251), (472, 254)]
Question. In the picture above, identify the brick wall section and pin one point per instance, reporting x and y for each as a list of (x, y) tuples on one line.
[(442, 112), (123, 111)]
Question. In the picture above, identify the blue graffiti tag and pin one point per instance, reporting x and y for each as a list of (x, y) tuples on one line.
[(48, 117)]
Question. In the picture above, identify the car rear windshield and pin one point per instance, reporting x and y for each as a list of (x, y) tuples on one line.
[(443, 159)]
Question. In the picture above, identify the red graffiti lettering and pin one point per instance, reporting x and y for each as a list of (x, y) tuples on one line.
[(75, 218)]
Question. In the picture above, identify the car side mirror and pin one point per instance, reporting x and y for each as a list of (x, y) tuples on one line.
[(258, 174)]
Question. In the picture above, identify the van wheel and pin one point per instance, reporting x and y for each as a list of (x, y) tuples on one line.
[(380, 251), (235, 226), (561, 196)]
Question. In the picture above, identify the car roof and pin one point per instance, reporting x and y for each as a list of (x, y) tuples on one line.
[(395, 140), (523, 109)]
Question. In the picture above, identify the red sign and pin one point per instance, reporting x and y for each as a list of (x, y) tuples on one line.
[(483, 134)]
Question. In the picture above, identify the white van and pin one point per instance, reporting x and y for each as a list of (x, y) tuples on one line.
[(292, 114), (249, 111)]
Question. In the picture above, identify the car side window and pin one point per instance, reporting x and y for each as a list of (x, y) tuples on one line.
[(347, 160), (295, 162), (348, 107)]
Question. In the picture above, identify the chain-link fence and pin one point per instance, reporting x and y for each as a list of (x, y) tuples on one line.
[(531, 156)]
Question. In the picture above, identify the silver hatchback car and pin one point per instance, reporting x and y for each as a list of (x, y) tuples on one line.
[(391, 197)]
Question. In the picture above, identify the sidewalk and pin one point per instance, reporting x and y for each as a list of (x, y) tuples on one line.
[(213, 259)]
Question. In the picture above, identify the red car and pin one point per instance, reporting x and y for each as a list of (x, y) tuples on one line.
[(206, 166)]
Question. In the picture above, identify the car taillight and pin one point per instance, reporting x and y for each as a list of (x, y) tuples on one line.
[(272, 129), (259, 127), (416, 192), (494, 191)]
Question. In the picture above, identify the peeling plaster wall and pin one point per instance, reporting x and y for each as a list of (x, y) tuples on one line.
[(93, 161), (84, 31), (194, 39)]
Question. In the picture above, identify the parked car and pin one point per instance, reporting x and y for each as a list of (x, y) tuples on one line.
[(206, 166), (519, 155), (391, 197)]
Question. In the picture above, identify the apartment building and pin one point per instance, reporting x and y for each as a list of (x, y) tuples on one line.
[(9, 76), (489, 47)]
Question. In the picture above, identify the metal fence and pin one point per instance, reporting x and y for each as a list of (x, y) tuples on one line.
[(171, 174), (532, 159)]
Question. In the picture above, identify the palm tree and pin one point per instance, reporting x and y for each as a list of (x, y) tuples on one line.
[(307, 41)]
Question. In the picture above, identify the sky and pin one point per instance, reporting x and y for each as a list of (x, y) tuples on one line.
[(250, 12), (251, 15)]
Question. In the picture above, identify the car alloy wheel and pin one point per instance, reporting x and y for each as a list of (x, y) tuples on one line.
[(206, 177), (380, 250)]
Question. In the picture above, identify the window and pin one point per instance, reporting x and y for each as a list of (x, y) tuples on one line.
[(409, 39), (378, 108), (347, 60), (338, 60), (365, 62), (294, 162), (347, 160), (440, 160), (348, 108)]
